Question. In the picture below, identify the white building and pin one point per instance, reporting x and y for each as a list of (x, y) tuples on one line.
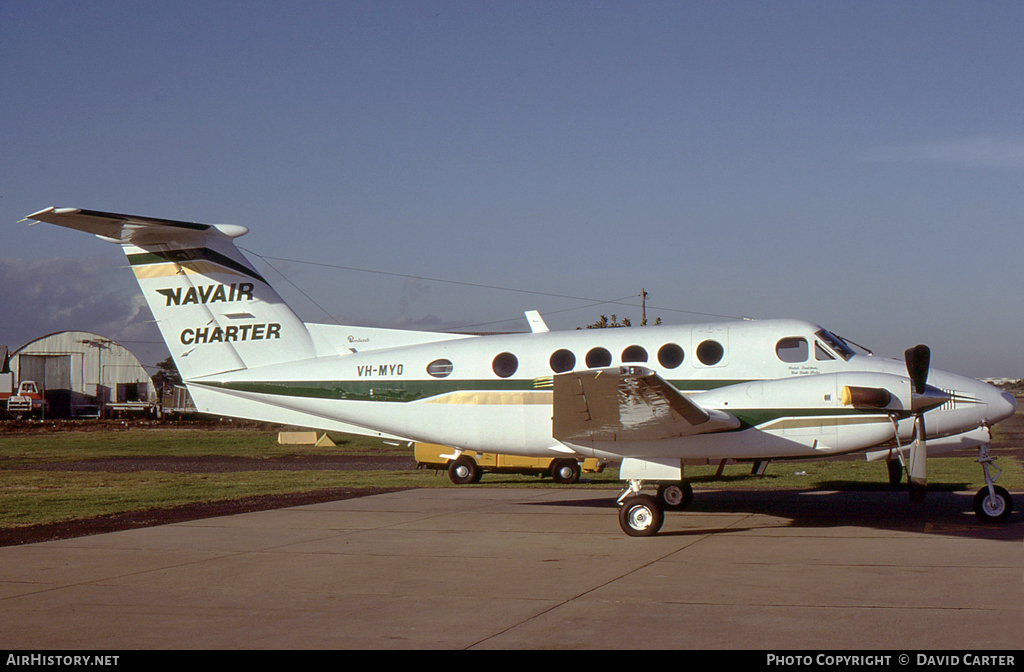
[(83, 374)]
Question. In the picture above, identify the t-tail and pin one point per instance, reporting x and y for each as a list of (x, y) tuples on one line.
[(214, 310)]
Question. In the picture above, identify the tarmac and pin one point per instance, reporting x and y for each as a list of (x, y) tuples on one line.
[(499, 568)]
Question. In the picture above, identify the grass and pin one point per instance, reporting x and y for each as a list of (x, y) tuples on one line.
[(73, 446), (37, 492), (39, 497), (944, 473)]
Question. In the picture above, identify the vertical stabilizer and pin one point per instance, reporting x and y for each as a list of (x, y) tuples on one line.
[(214, 310)]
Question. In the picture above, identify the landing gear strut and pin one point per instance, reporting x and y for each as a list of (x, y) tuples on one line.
[(993, 503)]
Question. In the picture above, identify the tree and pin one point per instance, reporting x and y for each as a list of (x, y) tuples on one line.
[(604, 323), (167, 376)]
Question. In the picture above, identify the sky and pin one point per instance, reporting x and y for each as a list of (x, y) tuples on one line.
[(449, 165)]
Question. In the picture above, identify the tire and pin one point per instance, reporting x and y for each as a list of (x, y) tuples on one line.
[(565, 471), (641, 516), (675, 496), (993, 510), (464, 470)]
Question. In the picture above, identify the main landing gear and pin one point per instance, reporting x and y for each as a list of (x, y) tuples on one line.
[(642, 515)]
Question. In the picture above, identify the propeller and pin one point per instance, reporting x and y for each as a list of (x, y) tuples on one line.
[(918, 359), (922, 398)]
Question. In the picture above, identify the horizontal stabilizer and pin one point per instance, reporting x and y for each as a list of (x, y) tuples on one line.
[(120, 228), (628, 403)]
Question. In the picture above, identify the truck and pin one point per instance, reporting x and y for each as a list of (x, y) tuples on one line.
[(27, 399), (469, 466), (177, 402)]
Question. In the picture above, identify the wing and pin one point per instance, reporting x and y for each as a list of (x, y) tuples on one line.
[(627, 403)]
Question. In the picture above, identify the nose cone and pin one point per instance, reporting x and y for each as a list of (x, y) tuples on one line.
[(1001, 405)]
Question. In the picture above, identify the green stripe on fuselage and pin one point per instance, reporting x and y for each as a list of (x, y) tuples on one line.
[(378, 390)]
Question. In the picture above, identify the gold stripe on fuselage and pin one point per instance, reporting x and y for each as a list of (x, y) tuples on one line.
[(494, 398)]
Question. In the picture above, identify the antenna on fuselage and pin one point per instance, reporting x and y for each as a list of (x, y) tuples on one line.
[(537, 324)]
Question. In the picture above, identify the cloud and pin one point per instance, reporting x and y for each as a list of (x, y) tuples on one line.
[(985, 151), (42, 296)]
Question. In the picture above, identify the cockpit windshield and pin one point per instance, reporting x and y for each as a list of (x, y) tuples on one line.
[(837, 344)]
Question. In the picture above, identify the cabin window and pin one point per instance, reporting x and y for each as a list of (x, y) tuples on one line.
[(440, 368), (710, 352), (598, 357), (634, 353), (670, 355), (562, 360), (792, 350), (505, 364)]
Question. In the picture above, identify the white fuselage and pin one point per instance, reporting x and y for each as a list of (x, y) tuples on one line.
[(782, 378)]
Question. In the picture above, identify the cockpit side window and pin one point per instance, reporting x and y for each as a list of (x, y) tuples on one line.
[(835, 343), (820, 353)]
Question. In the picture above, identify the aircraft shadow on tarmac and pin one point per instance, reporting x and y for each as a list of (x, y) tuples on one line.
[(945, 511)]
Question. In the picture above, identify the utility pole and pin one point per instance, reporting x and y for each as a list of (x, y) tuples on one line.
[(643, 307)]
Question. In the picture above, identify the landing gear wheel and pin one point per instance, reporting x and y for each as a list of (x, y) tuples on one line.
[(641, 516), (464, 470), (991, 509), (675, 496), (565, 471), (895, 471)]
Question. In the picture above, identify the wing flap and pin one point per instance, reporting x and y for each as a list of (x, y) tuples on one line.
[(628, 403)]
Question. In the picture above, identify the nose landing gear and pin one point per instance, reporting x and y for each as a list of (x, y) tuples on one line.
[(992, 504)]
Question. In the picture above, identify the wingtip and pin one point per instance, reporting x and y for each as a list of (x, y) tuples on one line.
[(41, 212), (52, 210)]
